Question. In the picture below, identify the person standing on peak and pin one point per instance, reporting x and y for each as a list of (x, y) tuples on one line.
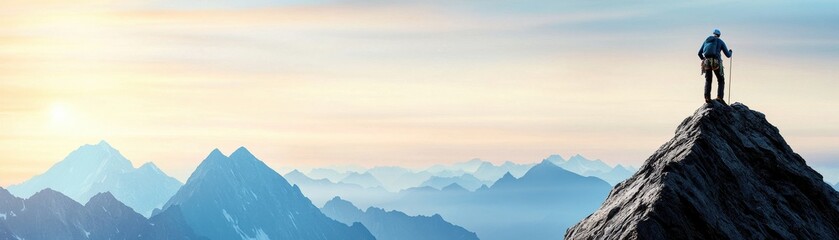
[(709, 52)]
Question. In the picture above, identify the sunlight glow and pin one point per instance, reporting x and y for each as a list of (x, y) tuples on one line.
[(60, 114)]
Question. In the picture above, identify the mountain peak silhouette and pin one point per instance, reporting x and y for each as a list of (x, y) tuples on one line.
[(104, 144), (242, 153), (239, 197), (726, 174), (216, 154)]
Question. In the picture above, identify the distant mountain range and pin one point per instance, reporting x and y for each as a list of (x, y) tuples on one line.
[(366, 180), (467, 181), (540, 205), (239, 197), (322, 190), (93, 169), (470, 166), (580, 165), (395, 225), (49, 214), (394, 179)]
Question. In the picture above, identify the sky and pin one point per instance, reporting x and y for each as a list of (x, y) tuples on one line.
[(306, 84)]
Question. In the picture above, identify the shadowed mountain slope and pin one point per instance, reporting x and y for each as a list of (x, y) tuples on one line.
[(726, 174)]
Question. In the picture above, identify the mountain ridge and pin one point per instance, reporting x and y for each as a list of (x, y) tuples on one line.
[(49, 214), (396, 225), (93, 169), (726, 174), (240, 197)]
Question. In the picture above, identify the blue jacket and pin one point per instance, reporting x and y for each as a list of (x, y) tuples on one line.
[(712, 47)]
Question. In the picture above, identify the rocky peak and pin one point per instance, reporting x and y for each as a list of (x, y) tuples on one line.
[(51, 197), (102, 199), (726, 174), (242, 153)]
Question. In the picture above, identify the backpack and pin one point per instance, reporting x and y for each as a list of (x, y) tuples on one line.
[(711, 49)]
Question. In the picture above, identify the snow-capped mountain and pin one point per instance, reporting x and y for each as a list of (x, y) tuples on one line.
[(93, 169), (239, 197)]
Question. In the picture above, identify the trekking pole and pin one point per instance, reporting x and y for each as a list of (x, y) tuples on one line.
[(730, 76)]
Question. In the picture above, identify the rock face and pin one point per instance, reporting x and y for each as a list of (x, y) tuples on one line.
[(395, 225), (239, 197), (727, 174)]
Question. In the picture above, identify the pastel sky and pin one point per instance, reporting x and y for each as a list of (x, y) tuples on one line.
[(305, 84)]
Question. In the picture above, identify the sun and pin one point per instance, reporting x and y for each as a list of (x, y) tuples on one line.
[(60, 113)]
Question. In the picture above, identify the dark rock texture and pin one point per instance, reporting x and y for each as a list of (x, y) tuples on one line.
[(727, 174)]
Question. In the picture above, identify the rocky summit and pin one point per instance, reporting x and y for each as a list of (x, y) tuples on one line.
[(727, 174)]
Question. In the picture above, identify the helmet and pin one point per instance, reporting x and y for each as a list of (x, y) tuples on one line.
[(716, 31)]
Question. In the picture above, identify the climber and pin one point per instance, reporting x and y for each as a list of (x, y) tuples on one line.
[(709, 52)]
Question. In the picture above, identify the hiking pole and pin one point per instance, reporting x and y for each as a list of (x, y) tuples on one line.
[(730, 76)]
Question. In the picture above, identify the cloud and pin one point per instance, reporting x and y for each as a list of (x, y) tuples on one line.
[(407, 82)]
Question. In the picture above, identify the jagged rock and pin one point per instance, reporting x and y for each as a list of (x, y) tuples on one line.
[(727, 174)]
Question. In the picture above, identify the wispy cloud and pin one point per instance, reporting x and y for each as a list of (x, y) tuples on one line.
[(398, 83)]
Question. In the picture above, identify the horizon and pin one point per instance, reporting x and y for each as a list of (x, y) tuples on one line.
[(283, 170), (409, 84)]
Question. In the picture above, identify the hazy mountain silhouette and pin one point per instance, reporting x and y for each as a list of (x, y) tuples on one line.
[(490, 172), (726, 174), (239, 197), (388, 175), (93, 169), (466, 181), (583, 166), (539, 205), (322, 190), (395, 225), (470, 166), (327, 173), (48, 214), (366, 180), (395, 179)]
